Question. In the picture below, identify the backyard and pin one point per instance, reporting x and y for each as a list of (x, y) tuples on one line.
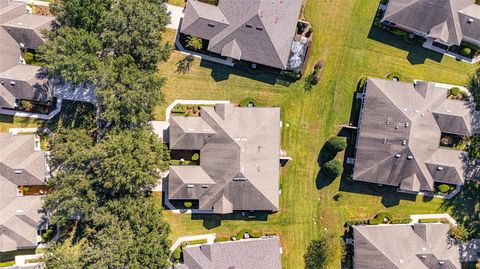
[(349, 50)]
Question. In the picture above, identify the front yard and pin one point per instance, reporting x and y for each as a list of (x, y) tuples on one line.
[(349, 50)]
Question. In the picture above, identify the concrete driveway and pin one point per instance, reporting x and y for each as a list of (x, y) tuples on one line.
[(176, 13)]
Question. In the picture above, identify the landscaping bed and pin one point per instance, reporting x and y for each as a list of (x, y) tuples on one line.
[(187, 110)]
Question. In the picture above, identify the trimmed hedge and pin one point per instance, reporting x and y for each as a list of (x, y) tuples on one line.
[(250, 232), (197, 242), (336, 144), (349, 223), (466, 52), (443, 188), (195, 157), (378, 219), (401, 221), (333, 168), (222, 239), (434, 220)]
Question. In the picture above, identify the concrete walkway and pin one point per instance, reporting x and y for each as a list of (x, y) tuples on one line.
[(21, 259), (176, 15), (210, 240), (416, 218)]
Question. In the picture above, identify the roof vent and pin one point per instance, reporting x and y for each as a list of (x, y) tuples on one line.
[(248, 26), (439, 168), (204, 186), (449, 110), (384, 141), (190, 186), (12, 83), (211, 25), (406, 124), (259, 28), (423, 257), (404, 142), (398, 155), (401, 261), (18, 172), (410, 157), (441, 262), (470, 20)]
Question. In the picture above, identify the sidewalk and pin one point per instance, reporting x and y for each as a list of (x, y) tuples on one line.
[(176, 14)]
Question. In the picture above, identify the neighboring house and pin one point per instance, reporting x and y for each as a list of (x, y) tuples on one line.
[(261, 31), (398, 141), (244, 254), (23, 173), (239, 158), (20, 33), (403, 246), (443, 23)]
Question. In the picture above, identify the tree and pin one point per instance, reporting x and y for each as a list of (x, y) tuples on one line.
[(127, 163), (194, 43), (323, 252), (71, 55), (135, 28), (126, 95), (336, 144), (474, 87), (63, 255), (81, 14), (26, 105), (333, 168), (459, 232)]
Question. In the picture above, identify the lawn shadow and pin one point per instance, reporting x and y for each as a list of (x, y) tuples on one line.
[(72, 115), (6, 119), (220, 72), (211, 221), (416, 53)]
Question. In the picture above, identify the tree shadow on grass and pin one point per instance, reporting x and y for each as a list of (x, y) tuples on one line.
[(464, 206), (211, 221), (416, 53), (73, 115), (323, 179)]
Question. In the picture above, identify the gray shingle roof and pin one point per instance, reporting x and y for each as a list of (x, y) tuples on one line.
[(261, 31), (20, 214), (399, 135), (19, 28), (239, 151), (405, 247), (26, 29), (244, 254), (440, 19)]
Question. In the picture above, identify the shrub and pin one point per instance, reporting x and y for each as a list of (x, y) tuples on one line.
[(48, 234), (177, 254), (213, 2), (338, 196), (380, 217), (459, 232), (26, 105), (361, 83), (194, 43), (195, 157), (28, 57), (443, 188), (349, 223), (318, 66), (252, 234), (246, 101), (316, 78), (187, 204), (466, 51), (333, 168), (195, 109), (336, 144), (455, 91)]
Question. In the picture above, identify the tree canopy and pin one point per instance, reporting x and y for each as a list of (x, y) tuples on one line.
[(99, 194), (323, 252)]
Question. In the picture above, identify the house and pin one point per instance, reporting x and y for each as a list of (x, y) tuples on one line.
[(23, 173), (20, 33), (261, 31), (399, 133), (244, 254), (239, 151), (443, 23), (404, 246)]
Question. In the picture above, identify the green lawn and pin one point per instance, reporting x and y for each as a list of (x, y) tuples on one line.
[(341, 40), (7, 122)]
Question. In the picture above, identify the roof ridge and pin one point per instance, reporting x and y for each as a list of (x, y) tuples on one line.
[(413, 2), (375, 246)]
